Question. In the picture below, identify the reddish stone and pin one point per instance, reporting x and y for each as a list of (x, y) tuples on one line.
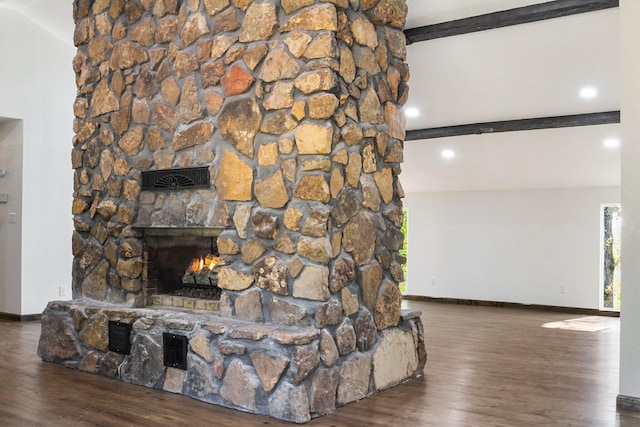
[(236, 81)]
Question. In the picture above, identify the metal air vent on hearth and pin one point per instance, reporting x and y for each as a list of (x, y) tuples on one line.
[(176, 179)]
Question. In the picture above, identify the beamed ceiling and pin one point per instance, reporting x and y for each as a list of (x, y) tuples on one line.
[(527, 71)]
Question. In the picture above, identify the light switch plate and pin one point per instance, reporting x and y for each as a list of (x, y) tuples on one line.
[(13, 218), (4, 197)]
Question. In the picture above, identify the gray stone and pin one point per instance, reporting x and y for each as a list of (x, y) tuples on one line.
[(348, 204), (312, 284), (346, 337), (268, 367), (240, 385), (395, 358), (290, 403), (304, 360), (323, 391), (145, 365), (287, 313), (249, 306), (58, 339), (366, 331), (328, 350), (354, 379), (329, 313), (200, 380)]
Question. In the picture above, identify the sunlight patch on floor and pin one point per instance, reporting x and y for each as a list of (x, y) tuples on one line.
[(581, 324)]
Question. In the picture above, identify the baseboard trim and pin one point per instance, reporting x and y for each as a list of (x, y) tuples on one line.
[(628, 403), (539, 307), (20, 318)]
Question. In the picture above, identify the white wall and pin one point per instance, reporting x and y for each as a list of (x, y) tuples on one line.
[(10, 232), (525, 246), (37, 86), (630, 124)]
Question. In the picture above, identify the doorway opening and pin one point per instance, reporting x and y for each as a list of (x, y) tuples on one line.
[(611, 225)]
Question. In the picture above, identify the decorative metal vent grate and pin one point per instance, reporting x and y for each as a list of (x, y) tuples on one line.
[(176, 179)]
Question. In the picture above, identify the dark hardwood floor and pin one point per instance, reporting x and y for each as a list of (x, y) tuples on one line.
[(487, 367)]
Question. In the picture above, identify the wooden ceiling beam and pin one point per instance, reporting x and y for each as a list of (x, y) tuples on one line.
[(590, 119), (520, 15)]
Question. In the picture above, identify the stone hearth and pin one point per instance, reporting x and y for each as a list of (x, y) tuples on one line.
[(293, 109)]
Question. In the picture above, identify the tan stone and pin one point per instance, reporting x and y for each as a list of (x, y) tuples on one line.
[(298, 110), (220, 45), (290, 6), (141, 112), (241, 219), (323, 46), (315, 18), (213, 101), (315, 249), (190, 108), (164, 117), (323, 106), (126, 55), (239, 123), (314, 139), (200, 345), (352, 134), (232, 280), (370, 193), (213, 7), (252, 251), (96, 334), (297, 42), (336, 182), (227, 21), (370, 108), (268, 154), (170, 91), (395, 359), (359, 237), (313, 187), (322, 164), (260, 22), (234, 178), (103, 100), (364, 32), (354, 169), (272, 192), (166, 30), (394, 117), (292, 217), (366, 60), (99, 50), (184, 63), (387, 307), (174, 380), (255, 54), (197, 134), (384, 181), (328, 350), (227, 246), (347, 65), (195, 27), (278, 123), (143, 32), (289, 168), (323, 79), (269, 368), (281, 96), (312, 284), (279, 65), (350, 303), (390, 12)]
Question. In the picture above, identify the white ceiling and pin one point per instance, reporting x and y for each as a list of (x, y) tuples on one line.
[(525, 71)]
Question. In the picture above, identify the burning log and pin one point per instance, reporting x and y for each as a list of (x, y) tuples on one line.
[(203, 271)]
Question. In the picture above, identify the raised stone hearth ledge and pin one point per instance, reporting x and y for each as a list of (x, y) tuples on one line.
[(289, 373)]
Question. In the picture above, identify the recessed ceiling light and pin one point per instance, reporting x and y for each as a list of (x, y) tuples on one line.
[(448, 154), (612, 143), (588, 92), (411, 112)]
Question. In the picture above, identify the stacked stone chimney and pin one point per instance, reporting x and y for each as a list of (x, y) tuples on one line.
[(295, 108)]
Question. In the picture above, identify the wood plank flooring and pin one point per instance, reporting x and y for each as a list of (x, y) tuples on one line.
[(487, 367)]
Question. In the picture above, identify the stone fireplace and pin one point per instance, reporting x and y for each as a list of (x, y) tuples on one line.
[(291, 109)]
